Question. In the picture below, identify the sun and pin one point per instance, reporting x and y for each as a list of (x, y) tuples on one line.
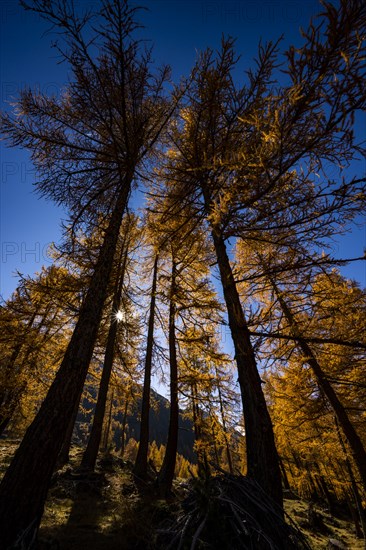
[(120, 315)]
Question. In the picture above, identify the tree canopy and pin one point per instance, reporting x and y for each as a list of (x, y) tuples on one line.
[(247, 182)]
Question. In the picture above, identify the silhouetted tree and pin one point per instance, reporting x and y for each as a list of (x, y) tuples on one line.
[(86, 145)]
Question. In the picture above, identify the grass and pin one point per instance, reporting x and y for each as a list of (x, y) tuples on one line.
[(334, 528), (107, 512)]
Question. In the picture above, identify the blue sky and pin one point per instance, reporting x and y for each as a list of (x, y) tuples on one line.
[(178, 28)]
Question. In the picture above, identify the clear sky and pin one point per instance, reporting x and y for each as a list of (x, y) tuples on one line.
[(178, 29)]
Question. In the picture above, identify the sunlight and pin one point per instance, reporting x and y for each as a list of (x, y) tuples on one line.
[(120, 315)]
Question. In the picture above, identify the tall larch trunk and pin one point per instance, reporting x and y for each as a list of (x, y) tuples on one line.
[(91, 452), (140, 469), (261, 453), (354, 441), (262, 457), (23, 490), (166, 474)]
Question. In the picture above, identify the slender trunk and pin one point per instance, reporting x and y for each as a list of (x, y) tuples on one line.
[(18, 347), (355, 443), (202, 462), (10, 404), (4, 422), (223, 420), (262, 457), (216, 451), (324, 486), (349, 497), (297, 461), (24, 487), (91, 452), (107, 430), (64, 455), (124, 423), (285, 480), (289, 468), (9, 399), (140, 469), (166, 474), (356, 494), (315, 491)]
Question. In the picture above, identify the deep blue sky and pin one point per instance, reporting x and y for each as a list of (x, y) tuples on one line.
[(178, 28)]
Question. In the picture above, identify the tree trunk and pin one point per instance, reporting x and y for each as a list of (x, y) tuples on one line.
[(324, 487), (4, 422), (64, 455), (202, 462), (285, 480), (216, 451), (222, 413), (124, 424), (140, 469), (356, 494), (91, 452), (9, 399), (24, 487), (355, 443), (166, 474), (262, 457), (107, 429)]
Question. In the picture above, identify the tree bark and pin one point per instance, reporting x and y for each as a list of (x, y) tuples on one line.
[(166, 474), (91, 452), (262, 457), (24, 487), (140, 469)]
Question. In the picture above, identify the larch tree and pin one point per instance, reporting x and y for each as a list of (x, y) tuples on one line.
[(166, 473), (189, 299), (316, 463), (206, 385), (206, 133), (291, 296), (156, 238), (354, 441), (141, 464), (246, 157), (117, 315), (37, 325), (86, 146), (310, 312)]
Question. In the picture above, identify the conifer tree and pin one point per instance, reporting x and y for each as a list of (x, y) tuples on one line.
[(116, 315), (291, 295), (36, 329), (86, 145), (245, 159), (140, 469)]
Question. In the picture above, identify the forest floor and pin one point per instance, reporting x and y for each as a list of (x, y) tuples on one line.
[(106, 511)]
